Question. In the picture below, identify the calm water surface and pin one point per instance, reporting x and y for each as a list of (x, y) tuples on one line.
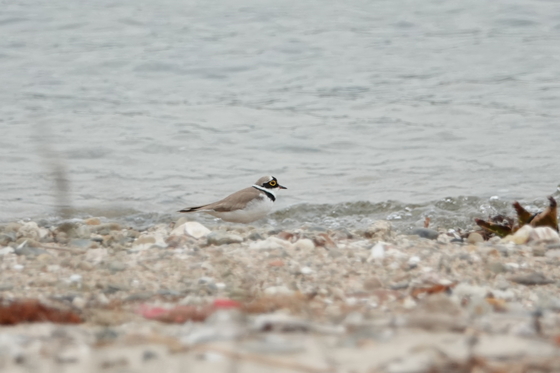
[(364, 109)]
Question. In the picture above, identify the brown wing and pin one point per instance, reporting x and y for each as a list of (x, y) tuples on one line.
[(235, 201)]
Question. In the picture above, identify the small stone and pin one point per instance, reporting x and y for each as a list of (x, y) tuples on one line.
[(305, 244), (381, 230), (44, 258), (475, 238), (85, 266), (554, 253), (12, 227), (29, 230), (277, 290), (83, 231), (534, 278), (255, 236), (140, 296), (6, 250), (143, 243), (105, 229), (191, 228), (539, 251), (92, 221), (116, 266), (271, 243), (409, 303), (6, 287), (377, 252), (53, 268), (276, 263), (96, 256), (79, 302), (112, 288), (80, 242), (426, 233), (61, 237), (6, 238), (443, 238), (205, 280), (218, 239), (69, 228), (496, 267), (75, 278), (28, 250), (413, 261), (45, 234), (372, 283), (324, 240), (306, 271)]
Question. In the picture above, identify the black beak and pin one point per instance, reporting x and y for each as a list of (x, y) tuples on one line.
[(281, 187)]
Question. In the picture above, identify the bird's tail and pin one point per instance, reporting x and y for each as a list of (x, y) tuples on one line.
[(191, 209)]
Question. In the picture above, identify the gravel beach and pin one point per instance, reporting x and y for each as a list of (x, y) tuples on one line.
[(97, 296)]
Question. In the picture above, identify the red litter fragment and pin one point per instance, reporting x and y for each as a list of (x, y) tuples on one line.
[(31, 310), (151, 312), (226, 304)]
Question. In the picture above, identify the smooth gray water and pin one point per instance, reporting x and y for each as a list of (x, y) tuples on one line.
[(364, 109)]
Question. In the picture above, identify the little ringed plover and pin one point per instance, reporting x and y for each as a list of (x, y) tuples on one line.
[(246, 205)]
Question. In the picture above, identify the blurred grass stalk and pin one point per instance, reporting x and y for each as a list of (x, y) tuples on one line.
[(56, 167)]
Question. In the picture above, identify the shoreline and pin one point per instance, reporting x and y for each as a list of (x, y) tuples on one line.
[(306, 299)]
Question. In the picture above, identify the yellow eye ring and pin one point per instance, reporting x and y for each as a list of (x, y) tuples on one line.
[(272, 183)]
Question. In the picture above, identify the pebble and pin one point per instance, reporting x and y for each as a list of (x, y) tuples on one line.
[(79, 302), (191, 228), (143, 240), (6, 238), (96, 256), (6, 250), (380, 230), (497, 267), (426, 233), (140, 296), (29, 230), (116, 266), (75, 278), (217, 238), (413, 261), (27, 250), (271, 243), (255, 236), (5, 287), (105, 229), (277, 290), (93, 221), (475, 238), (304, 244), (554, 253), (81, 243), (534, 278), (85, 266), (377, 252), (443, 238)]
